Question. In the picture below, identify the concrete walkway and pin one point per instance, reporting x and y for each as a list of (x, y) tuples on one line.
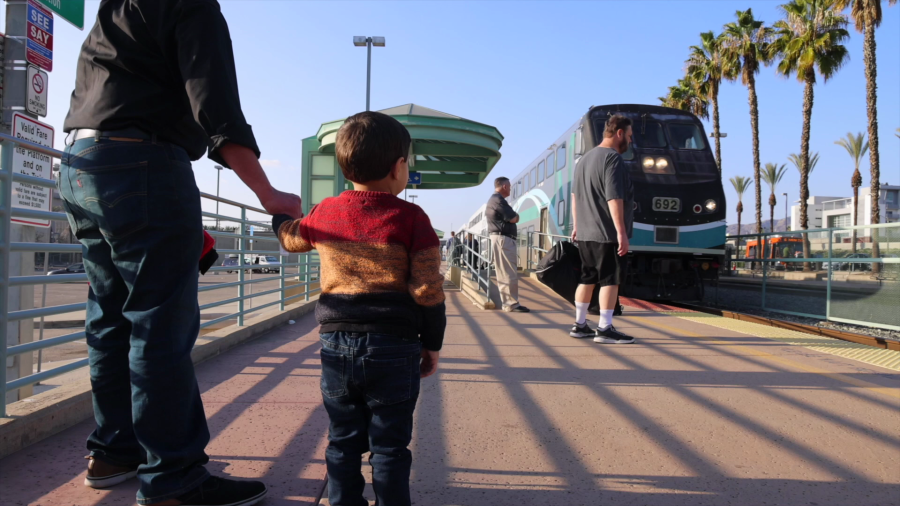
[(521, 414)]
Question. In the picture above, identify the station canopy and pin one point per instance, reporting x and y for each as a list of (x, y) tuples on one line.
[(448, 151)]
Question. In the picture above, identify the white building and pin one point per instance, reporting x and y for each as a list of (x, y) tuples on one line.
[(836, 212)]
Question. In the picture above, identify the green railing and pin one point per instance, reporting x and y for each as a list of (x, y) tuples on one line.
[(302, 274), (817, 273)]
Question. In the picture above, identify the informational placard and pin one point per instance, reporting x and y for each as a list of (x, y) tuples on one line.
[(415, 178), (36, 91), (70, 10), (39, 40), (32, 163)]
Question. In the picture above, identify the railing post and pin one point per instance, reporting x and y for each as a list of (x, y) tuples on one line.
[(765, 270), (281, 271), (5, 210), (828, 275), (241, 272)]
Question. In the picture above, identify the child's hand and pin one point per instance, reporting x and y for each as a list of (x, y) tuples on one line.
[(429, 363)]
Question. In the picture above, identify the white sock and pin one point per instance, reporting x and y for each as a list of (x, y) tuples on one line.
[(581, 312), (605, 318)]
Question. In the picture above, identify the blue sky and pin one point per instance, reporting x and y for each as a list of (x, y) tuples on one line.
[(529, 68)]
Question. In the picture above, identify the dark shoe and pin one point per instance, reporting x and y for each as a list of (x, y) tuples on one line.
[(520, 309), (102, 474), (610, 335), (221, 492), (618, 310), (581, 331)]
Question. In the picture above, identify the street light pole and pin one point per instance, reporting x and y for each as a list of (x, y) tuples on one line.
[(368, 42), (219, 169)]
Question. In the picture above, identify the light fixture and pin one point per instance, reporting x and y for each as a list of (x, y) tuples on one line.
[(378, 41), (697, 209), (359, 41), (648, 162), (710, 205), (662, 163)]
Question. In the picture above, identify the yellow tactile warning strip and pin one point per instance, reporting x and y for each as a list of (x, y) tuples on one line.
[(889, 359), (889, 392)]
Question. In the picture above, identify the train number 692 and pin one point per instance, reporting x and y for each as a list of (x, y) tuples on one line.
[(666, 205)]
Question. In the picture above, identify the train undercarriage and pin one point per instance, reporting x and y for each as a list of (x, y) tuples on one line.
[(670, 276)]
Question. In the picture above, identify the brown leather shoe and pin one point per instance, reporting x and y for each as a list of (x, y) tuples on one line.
[(102, 474)]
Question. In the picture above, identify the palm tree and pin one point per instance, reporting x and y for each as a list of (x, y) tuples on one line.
[(746, 47), (772, 175), (794, 158), (740, 186), (705, 67), (689, 96), (856, 146), (809, 39), (867, 17)]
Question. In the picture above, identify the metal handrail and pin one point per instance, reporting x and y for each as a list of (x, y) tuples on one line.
[(308, 271), (468, 255)]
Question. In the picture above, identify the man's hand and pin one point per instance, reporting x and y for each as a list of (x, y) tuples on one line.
[(242, 160), (574, 233), (429, 363), (623, 244), (279, 202)]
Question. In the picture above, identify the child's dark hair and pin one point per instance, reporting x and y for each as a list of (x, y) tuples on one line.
[(369, 144)]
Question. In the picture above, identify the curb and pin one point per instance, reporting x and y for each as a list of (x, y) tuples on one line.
[(43, 415)]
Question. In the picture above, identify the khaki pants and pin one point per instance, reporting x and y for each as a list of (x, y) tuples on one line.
[(503, 253)]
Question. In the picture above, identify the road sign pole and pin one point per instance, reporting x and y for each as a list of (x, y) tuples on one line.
[(368, 70)]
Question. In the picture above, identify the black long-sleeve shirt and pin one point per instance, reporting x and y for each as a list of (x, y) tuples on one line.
[(166, 67)]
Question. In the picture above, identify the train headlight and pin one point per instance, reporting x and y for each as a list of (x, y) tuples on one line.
[(662, 164), (648, 162), (710, 205)]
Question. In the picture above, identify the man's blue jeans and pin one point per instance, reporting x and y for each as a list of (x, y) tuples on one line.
[(370, 384), (135, 207)]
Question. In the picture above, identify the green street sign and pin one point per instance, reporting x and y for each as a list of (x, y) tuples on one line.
[(70, 10)]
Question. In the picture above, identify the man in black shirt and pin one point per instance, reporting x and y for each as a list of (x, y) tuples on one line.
[(156, 88), (501, 222)]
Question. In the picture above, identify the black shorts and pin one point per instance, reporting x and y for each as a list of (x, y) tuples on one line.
[(601, 263)]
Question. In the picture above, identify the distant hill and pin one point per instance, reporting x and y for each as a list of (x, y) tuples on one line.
[(749, 228)]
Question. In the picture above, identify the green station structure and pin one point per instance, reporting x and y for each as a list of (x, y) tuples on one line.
[(447, 152)]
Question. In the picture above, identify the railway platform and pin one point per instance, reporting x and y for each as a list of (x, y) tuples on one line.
[(701, 410)]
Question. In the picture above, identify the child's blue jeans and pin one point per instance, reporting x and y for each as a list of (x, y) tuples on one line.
[(370, 383)]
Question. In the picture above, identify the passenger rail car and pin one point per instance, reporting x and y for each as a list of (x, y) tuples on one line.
[(678, 243)]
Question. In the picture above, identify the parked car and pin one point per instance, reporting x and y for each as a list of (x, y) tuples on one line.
[(269, 264), (230, 262), (72, 269), (853, 266)]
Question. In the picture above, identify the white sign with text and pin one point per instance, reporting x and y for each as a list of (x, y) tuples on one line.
[(32, 163)]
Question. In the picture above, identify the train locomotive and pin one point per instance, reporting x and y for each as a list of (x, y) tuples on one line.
[(678, 244)]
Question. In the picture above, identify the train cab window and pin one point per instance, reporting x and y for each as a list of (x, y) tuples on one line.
[(533, 177), (540, 172), (561, 157), (649, 135), (550, 165), (686, 136), (561, 212)]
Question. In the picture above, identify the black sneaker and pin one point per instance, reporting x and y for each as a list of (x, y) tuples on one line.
[(610, 335), (581, 331), (520, 309), (221, 492)]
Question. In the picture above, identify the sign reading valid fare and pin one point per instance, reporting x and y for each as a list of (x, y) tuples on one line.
[(31, 163), (36, 88), (39, 43)]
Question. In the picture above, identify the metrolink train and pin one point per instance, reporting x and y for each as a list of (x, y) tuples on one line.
[(678, 243)]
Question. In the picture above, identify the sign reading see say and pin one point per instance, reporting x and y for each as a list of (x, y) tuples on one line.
[(39, 46)]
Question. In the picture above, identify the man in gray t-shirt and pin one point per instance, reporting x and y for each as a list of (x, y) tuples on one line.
[(602, 211)]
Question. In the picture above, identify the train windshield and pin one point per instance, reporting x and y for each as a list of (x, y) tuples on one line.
[(686, 136), (648, 135)]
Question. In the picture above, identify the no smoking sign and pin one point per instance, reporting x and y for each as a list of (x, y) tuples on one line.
[(36, 101)]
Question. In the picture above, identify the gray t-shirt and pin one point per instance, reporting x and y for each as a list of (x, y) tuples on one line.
[(601, 176)]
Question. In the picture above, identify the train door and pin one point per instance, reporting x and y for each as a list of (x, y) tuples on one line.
[(544, 241)]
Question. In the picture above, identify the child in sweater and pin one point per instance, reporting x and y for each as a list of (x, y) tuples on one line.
[(381, 309)]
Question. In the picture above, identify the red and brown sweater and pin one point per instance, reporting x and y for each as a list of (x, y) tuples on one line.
[(380, 265)]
